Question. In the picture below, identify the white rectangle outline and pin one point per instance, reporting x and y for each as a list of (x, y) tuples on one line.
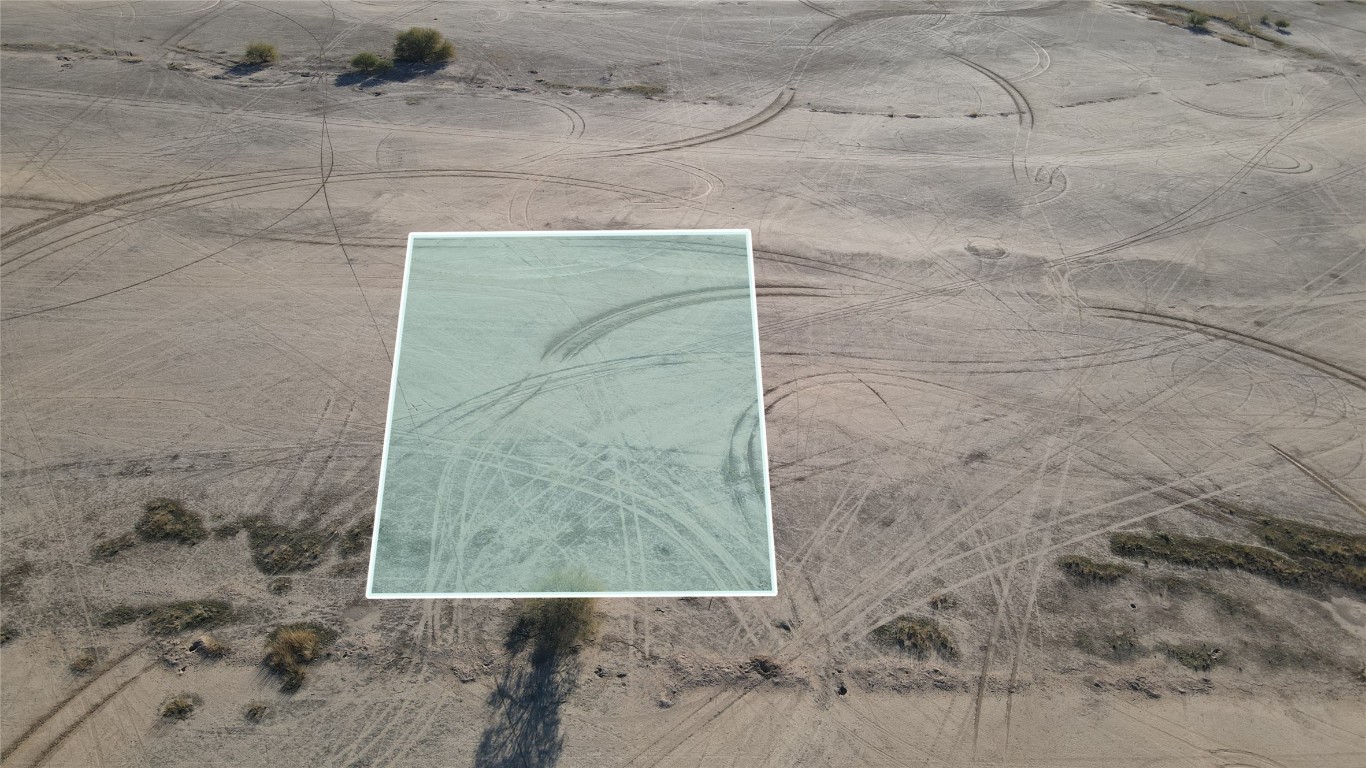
[(393, 398)]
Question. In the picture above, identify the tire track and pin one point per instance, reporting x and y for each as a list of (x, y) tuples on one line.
[(769, 112)]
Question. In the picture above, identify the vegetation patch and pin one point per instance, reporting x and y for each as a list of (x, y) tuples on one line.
[(1309, 541), (84, 661), (176, 617), (277, 549), (1201, 658), (1084, 570), (179, 707), (12, 580), (943, 602), (423, 45), (7, 633), (280, 585), (168, 520), (554, 626), (766, 667), (1210, 554), (110, 548), (355, 539), (1117, 645), (256, 711), (209, 647), (370, 63), (169, 618), (291, 647), (640, 89), (260, 54), (917, 635)]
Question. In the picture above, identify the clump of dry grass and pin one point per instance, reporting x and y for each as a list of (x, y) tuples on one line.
[(169, 618), (1084, 570), (168, 520), (355, 539), (943, 602), (256, 711), (7, 633), (641, 89), (1210, 554), (280, 585), (917, 635), (179, 707), (291, 647), (209, 647), (109, 548), (12, 579)]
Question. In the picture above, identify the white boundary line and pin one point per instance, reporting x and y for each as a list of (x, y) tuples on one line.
[(393, 399)]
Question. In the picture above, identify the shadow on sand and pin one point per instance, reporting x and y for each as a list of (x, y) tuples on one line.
[(399, 73), (541, 672)]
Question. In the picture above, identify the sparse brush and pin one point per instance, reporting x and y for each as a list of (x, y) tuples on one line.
[(1201, 658), (290, 647), (1210, 554), (648, 91), (355, 539), (1303, 540), (943, 602), (279, 549), (555, 626), (120, 615), (179, 707), (279, 585), (84, 661), (110, 548), (917, 635), (1116, 645), (256, 711), (1084, 570), (7, 633), (168, 520), (171, 618), (12, 579)]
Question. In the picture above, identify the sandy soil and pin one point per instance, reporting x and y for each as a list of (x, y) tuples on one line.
[(1030, 273)]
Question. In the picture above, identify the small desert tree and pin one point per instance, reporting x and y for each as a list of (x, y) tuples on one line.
[(1197, 21), (423, 45), (369, 62), (260, 53)]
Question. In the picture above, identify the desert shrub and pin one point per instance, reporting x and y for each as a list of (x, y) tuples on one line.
[(555, 626), (256, 711), (259, 54), (1201, 658), (110, 548), (279, 585), (209, 647), (290, 647), (917, 635), (1197, 20), (227, 530), (1084, 570), (179, 707), (369, 62), (1282, 23), (7, 633), (1265, 20), (422, 45), (1308, 541), (943, 602), (120, 615), (168, 520), (84, 661), (1115, 645), (279, 549), (171, 618)]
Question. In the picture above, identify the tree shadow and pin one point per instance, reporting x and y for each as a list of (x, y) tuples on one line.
[(542, 670), (399, 73)]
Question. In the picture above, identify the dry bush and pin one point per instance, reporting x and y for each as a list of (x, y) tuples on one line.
[(170, 618), (1115, 645), (277, 549), (84, 661), (168, 520), (290, 647), (257, 711), (943, 602), (7, 633), (1201, 658), (109, 548), (179, 707), (917, 635), (209, 647), (556, 626)]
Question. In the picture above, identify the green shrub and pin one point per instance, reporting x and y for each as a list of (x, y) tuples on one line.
[(168, 520), (422, 45), (917, 635), (369, 62), (259, 54), (1282, 23), (1197, 20)]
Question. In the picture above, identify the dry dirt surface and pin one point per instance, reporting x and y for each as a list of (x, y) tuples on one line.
[(1031, 274)]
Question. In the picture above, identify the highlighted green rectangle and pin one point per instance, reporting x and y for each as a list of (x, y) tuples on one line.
[(575, 414)]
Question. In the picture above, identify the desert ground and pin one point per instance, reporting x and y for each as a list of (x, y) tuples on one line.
[(1037, 281)]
